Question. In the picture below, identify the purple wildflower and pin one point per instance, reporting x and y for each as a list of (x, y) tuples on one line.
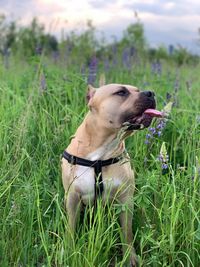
[(92, 70), (155, 131), (176, 85), (38, 50), (6, 55), (43, 85), (156, 68), (153, 68), (114, 49), (152, 130), (159, 68), (114, 55), (147, 142), (126, 58), (114, 61), (188, 85), (168, 96), (69, 47), (164, 158), (148, 139), (161, 124), (132, 51), (171, 49), (164, 166), (148, 136), (175, 101), (55, 56), (106, 65)]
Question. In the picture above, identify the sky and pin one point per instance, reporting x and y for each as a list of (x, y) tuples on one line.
[(165, 22)]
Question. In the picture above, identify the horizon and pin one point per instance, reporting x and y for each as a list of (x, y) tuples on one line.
[(169, 23)]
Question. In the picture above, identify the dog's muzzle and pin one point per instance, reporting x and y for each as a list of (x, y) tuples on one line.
[(146, 113)]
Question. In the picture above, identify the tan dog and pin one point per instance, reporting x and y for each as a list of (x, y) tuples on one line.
[(115, 111)]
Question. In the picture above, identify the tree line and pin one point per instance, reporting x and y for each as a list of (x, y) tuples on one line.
[(32, 40)]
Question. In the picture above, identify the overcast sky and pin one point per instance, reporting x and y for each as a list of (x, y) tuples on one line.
[(165, 22)]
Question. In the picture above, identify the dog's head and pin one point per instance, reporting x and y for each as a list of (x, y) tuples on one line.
[(117, 105)]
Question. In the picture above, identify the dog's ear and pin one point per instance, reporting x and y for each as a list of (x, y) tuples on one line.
[(90, 93)]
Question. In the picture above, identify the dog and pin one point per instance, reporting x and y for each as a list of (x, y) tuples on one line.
[(93, 164)]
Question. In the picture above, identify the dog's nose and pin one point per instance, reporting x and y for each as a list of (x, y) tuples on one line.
[(148, 94)]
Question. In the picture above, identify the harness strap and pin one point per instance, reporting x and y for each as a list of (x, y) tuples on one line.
[(96, 164), (98, 187)]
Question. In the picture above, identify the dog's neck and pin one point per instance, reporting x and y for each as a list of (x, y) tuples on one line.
[(94, 142)]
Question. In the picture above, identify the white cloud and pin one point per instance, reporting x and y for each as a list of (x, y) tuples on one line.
[(163, 20), (169, 5)]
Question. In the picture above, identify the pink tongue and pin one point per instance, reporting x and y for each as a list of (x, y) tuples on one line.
[(153, 113)]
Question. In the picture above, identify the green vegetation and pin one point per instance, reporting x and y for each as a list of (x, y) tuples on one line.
[(42, 101)]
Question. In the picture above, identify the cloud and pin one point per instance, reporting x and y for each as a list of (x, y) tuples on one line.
[(164, 21), (172, 8), (100, 3)]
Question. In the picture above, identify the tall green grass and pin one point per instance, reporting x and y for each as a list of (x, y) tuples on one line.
[(35, 127)]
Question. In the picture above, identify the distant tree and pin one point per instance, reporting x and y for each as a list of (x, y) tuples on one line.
[(49, 42), (8, 34), (2, 32), (134, 35), (162, 52), (75, 44), (11, 34), (181, 55), (32, 40), (29, 38), (84, 46)]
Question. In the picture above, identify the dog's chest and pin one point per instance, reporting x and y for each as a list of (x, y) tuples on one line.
[(84, 183)]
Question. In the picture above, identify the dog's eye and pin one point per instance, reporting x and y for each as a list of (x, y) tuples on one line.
[(123, 92)]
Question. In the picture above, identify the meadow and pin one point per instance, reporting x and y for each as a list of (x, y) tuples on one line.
[(42, 101)]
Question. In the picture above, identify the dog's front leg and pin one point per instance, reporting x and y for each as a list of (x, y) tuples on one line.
[(127, 241), (73, 204)]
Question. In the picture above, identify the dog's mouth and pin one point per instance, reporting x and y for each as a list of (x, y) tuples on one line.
[(142, 120)]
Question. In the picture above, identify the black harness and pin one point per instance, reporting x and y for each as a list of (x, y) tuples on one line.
[(96, 164)]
